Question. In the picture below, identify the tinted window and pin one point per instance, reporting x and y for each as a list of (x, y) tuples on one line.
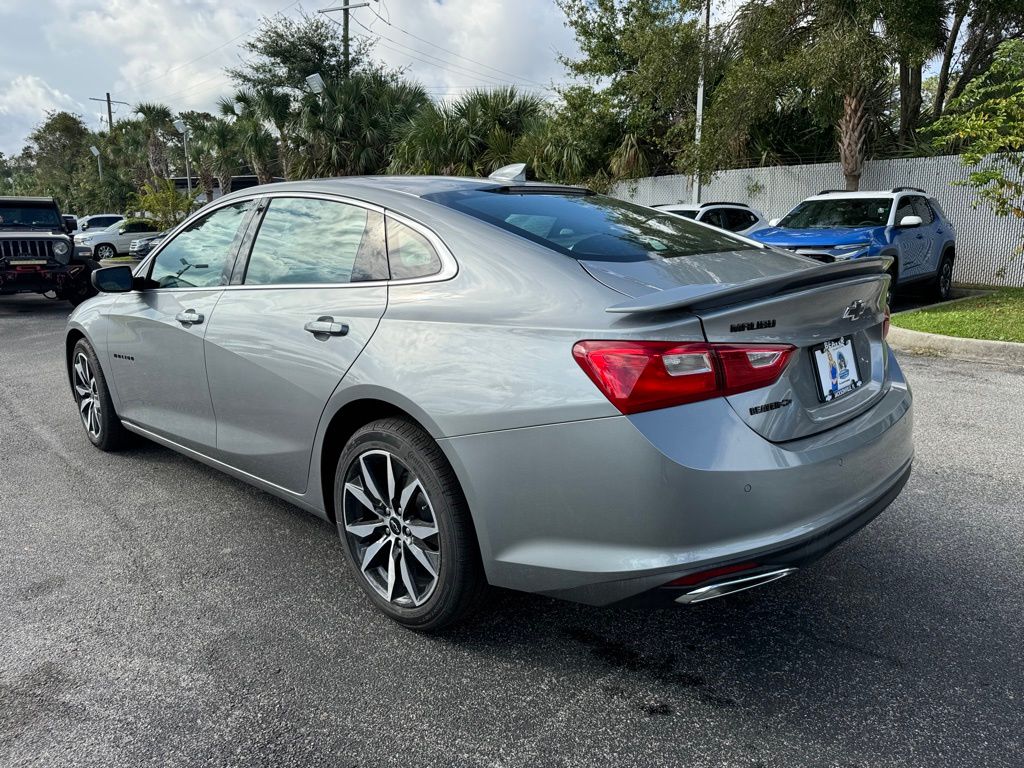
[(839, 212), (302, 240), (687, 212), (737, 219), (714, 217), (198, 255), (28, 214), (411, 255), (922, 209), (591, 227), (102, 222)]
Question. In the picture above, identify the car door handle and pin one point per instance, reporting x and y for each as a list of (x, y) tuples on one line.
[(326, 326), (189, 317)]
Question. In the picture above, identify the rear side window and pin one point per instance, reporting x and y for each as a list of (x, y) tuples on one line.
[(411, 255), (588, 227), (906, 208), (303, 240)]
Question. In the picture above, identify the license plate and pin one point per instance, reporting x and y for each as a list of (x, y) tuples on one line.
[(837, 368)]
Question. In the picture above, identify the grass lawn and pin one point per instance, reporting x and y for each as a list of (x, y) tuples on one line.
[(999, 316)]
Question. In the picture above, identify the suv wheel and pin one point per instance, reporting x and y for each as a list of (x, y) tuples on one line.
[(943, 286), (405, 526), (101, 424), (105, 251)]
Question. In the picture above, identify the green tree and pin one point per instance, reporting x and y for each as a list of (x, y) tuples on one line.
[(156, 125), (470, 136), (986, 122), (351, 127), (162, 201), (285, 51)]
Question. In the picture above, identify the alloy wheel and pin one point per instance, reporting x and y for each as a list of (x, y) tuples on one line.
[(391, 527), (88, 396), (106, 252)]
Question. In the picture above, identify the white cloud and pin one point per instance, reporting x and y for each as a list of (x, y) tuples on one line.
[(175, 51), (24, 104)]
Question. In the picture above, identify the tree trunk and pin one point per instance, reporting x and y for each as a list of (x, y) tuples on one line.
[(910, 99), (224, 179), (852, 130), (947, 60), (283, 151)]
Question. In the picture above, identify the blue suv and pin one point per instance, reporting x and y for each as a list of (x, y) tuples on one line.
[(903, 223)]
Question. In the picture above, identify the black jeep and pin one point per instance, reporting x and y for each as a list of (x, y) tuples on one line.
[(37, 251)]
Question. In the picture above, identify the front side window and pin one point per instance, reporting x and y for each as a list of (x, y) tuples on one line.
[(411, 255), (589, 227), (199, 255), (848, 212), (737, 219), (303, 240)]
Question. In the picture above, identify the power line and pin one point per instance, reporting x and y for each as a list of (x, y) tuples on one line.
[(453, 53), (212, 51), (437, 62)]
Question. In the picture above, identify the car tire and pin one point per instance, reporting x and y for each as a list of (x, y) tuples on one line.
[(105, 251), (92, 396), (82, 288), (891, 295), (942, 286), (405, 525)]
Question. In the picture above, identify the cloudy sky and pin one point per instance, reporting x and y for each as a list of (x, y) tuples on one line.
[(56, 54)]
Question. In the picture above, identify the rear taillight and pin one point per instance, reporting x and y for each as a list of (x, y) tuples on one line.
[(644, 375), (885, 322)]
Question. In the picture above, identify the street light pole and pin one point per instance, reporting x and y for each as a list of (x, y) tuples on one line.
[(182, 128), (99, 160), (700, 101)]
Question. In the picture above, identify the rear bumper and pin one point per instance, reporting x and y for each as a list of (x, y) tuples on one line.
[(603, 510)]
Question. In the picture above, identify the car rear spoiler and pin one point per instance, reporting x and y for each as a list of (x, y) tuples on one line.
[(713, 295)]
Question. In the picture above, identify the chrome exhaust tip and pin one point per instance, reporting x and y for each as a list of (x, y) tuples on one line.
[(723, 588)]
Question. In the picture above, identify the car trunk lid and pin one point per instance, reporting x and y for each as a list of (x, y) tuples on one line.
[(833, 315)]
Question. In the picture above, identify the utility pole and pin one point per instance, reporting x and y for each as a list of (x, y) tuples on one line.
[(700, 100), (344, 30), (110, 108)]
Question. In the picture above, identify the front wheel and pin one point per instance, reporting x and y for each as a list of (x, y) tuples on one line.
[(406, 528), (95, 408), (105, 251)]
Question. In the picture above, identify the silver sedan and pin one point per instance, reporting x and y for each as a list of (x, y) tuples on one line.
[(489, 381)]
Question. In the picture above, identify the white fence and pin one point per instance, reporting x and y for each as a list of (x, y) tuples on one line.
[(988, 246)]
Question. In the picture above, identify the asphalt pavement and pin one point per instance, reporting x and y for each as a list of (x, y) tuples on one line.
[(156, 612)]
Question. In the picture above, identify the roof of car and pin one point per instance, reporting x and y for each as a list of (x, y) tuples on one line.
[(832, 194), (26, 199)]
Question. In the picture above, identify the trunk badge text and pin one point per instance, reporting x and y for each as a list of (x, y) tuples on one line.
[(757, 325), (770, 406)]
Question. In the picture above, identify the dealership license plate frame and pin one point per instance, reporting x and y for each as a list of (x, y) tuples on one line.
[(839, 375)]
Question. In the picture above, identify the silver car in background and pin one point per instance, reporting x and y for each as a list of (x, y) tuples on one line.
[(487, 381)]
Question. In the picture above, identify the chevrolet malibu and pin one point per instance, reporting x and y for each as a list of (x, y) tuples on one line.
[(491, 381)]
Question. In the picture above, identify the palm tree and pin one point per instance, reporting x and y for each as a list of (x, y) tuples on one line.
[(473, 135), (254, 141), (156, 124), (350, 128), (217, 139)]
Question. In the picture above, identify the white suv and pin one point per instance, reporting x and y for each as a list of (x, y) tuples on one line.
[(734, 217), (117, 238)]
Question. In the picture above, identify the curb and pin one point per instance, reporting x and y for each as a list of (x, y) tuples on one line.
[(978, 350)]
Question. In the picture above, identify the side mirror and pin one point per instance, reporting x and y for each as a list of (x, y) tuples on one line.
[(910, 221), (774, 222), (117, 279), (70, 224)]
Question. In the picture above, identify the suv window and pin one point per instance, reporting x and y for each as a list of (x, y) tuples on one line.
[(905, 208), (411, 255), (737, 219), (138, 226), (587, 226), (922, 209), (29, 214), (302, 240), (198, 255), (102, 222), (832, 212), (714, 217)]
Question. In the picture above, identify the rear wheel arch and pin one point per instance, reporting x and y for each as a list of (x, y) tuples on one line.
[(343, 424)]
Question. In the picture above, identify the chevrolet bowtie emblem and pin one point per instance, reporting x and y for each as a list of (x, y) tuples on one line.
[(855, 311)]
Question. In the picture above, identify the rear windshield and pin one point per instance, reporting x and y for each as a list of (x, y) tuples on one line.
[(590, 227), (42, 215), (839, 212)]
